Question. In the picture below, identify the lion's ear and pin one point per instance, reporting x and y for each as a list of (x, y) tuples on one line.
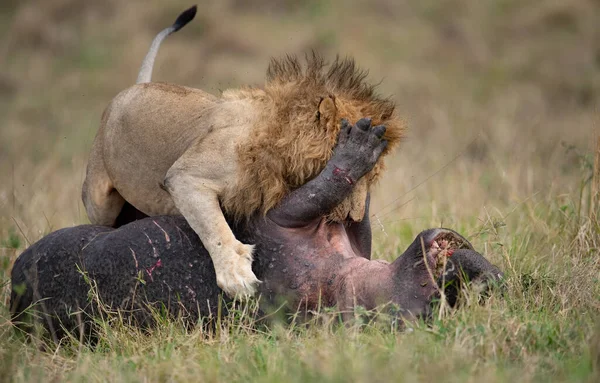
[(327, 109)]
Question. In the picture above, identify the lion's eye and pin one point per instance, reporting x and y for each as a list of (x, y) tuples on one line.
[(318, 115)]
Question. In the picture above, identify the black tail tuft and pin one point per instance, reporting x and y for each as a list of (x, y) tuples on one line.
[(187, 16)]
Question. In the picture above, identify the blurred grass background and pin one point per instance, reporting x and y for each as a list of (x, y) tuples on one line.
[(501, 97), (520, 78)]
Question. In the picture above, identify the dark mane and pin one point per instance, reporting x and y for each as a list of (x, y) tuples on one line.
[(291, 143), (342, 78)]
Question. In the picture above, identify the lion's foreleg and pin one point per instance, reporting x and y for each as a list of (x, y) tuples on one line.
[(198, 202)]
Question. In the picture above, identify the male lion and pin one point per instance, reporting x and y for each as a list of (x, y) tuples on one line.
[(167, 149)]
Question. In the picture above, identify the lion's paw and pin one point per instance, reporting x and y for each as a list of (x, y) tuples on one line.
[(234, 271)]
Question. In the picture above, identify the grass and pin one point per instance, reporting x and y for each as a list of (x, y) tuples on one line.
[(501, 98)]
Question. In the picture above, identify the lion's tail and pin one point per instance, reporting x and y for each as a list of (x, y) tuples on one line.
[(145, 74)]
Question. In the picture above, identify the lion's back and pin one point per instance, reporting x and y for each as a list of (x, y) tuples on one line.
[(148, 127)]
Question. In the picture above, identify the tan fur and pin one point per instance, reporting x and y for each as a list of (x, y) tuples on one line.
[(242, 152)]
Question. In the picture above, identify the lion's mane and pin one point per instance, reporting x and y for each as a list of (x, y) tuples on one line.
[(290, 144)]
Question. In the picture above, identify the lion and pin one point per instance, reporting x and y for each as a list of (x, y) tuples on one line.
[(168, 149)]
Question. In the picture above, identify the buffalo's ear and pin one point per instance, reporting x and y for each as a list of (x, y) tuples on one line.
[(327, 109)]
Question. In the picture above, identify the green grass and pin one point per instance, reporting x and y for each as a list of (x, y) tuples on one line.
[(540, 329)]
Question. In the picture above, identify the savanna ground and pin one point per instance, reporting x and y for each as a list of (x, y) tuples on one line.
[(502, 102)]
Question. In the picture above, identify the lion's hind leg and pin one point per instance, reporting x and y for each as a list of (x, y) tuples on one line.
[(102, 201)]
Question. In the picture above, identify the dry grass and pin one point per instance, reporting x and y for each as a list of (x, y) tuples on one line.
[(501, 98)]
